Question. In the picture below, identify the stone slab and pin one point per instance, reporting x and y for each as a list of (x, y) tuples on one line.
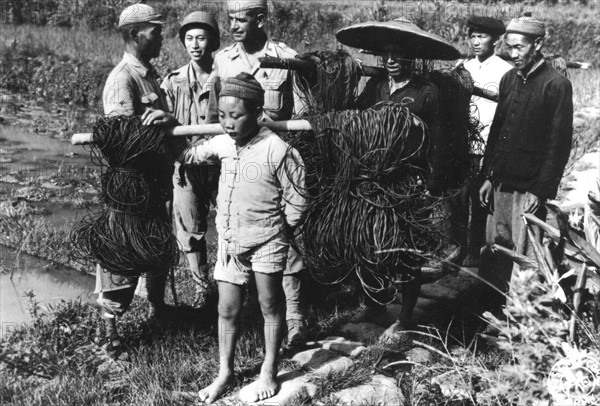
[(294, 387), (315, 357), (381, 390), (439, 293), (465, 285), (366, 332)]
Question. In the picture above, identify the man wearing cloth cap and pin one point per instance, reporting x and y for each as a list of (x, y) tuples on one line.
[(528, 145), (248, 19), (193, 188), (254, 225), (486, 69), (132, 88)]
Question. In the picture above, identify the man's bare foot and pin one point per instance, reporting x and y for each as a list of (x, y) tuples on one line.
[(264, 387), (369, 313), (217, 388), (393, 332)]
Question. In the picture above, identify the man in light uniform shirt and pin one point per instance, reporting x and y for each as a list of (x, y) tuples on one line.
[(486, 70)]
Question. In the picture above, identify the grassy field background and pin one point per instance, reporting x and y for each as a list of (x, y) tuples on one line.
[(62, 51)]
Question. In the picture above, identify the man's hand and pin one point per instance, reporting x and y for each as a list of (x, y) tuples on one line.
[(485, 192), (158, 117), (532, 203)]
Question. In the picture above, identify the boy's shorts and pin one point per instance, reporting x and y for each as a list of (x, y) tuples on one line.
[(268, 258)]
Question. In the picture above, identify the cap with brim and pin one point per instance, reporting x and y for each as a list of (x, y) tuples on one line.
[(378, 37), (140, 13), (527, 26), (234, 6), (487, 25)]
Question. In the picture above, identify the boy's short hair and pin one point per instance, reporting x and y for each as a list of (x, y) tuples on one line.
[(244, 86)]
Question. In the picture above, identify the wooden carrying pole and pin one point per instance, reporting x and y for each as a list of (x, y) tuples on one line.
[(209, 129), (308, 66)]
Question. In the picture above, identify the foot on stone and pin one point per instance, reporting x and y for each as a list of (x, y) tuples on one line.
[(219, 386), (394, 332), (369, 313), (264, 387)]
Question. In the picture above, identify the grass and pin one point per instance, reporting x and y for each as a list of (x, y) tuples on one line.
[(51, 361)]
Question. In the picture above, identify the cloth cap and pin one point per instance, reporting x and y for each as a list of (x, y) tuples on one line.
[(487, 25), (207, 22), (527, 26), (244, 5), (243, 86), (140, 13)]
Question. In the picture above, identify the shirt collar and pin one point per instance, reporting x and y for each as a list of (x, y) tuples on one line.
[(138, 65), (268, 50), (536, 67)]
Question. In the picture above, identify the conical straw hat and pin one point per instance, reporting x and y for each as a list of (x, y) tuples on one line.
[(377, 36)]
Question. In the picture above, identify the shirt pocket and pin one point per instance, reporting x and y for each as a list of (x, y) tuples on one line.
[(275, 85)]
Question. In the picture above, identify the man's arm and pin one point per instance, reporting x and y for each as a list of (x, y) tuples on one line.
[(213, 86), (199, 152), (497, 124), (118, 96), (558, 145)]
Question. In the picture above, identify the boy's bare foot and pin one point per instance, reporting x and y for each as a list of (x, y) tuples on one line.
[(264, 387), (216, 389), (369, 313)]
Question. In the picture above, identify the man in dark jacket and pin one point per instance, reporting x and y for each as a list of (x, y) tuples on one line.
[(529, 143)]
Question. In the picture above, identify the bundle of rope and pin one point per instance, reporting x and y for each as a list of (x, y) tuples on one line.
[(368, 211), (462, 129), (332, 85), (131, 235)]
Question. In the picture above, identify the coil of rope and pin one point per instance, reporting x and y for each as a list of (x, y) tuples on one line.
[(131, 235)]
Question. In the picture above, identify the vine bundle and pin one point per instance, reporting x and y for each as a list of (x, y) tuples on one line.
[(332, 85), (131, 235), (368, 211)]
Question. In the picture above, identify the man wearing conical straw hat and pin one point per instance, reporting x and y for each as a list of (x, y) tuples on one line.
[(403, 46), (248, 19)]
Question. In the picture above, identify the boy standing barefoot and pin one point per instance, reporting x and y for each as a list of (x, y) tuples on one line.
[(258, 207)]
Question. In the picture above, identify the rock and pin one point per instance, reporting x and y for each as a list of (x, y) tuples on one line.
[(314, 358), (427, 305), (419, 355), (340, 345), (366, 332), (453, 386), (463, 284), (439, 293), (380, 391), (293, 387)]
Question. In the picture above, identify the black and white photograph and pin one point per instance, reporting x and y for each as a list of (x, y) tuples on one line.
[(287, 203)]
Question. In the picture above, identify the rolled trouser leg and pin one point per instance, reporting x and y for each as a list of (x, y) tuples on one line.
[(191, 204), (292, 286), (292, 289)]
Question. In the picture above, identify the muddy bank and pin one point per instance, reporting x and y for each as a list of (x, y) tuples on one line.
[(29, 284)]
